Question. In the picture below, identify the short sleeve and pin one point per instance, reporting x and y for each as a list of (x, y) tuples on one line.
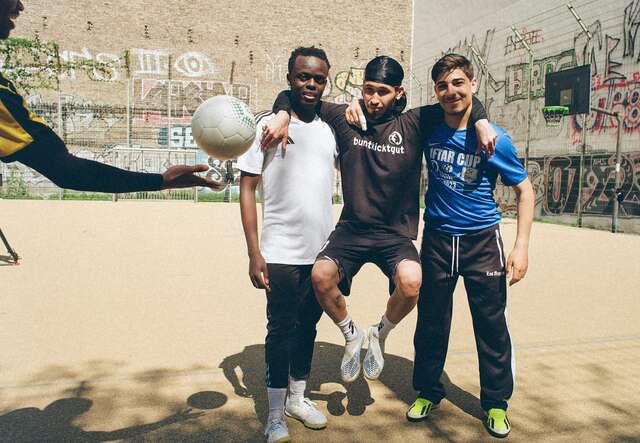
[(253, 160), (506, 162)]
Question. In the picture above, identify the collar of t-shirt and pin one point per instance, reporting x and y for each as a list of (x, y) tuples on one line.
[(295, 119)]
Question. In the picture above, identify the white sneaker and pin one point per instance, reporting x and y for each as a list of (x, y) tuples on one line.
[(350, 366), (374, 358), (306, 412), (277, 431)]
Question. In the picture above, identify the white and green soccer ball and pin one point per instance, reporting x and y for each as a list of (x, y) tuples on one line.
[(223, 127)]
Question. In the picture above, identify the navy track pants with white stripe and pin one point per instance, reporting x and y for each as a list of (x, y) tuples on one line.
[(478, 257)]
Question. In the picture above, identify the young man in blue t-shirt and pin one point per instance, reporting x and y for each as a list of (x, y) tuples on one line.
[(462, 238)]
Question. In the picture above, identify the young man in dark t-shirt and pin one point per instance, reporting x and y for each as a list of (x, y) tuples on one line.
[(380, 170)]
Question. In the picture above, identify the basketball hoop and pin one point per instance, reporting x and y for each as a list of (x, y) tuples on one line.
[(553, 115)]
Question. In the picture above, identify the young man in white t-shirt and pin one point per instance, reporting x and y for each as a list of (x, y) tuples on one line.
[(295, 185)]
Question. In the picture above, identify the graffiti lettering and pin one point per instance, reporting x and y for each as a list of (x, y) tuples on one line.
[(194, 64), (555, 180), (623, 97), (186, 95), (530, 37), (349, 83), (630, 27), (610, 74), (275, 71), (590, 51), (516, 75), (110, 73), (151, 61), (181, 137)]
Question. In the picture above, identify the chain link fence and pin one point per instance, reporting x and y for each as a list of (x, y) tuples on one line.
[(146, 128), (136, 109)]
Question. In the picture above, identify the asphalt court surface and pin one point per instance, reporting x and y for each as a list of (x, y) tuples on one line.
[(123, 315)]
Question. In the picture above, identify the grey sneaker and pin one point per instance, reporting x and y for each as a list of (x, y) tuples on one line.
[(350, 367), (374, 358), (277, 431), (306, 412)]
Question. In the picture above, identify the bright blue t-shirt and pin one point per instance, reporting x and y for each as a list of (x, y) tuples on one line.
[(459, 198)]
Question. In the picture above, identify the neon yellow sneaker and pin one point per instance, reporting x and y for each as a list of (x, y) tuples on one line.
[(497, 423), (420, 409)]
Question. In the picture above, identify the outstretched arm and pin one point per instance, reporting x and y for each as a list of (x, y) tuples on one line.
[(518, 260), (54, 161), (31, 142)]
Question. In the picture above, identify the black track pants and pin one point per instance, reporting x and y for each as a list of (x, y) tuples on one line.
[(478, 257), (292, 315)]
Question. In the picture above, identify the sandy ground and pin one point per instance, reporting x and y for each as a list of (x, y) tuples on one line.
[(122, 315)]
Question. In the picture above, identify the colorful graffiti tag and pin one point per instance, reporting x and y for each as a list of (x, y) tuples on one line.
[(555, 180)]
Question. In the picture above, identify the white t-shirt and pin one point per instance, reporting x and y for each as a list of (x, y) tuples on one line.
[(296, 190)]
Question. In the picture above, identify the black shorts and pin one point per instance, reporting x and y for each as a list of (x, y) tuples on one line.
[(351, 248)]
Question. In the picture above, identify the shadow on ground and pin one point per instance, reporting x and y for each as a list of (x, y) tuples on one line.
[(54, 423), (96, 403), (245, 372), (204, 416), (95, 395), (396, 376)]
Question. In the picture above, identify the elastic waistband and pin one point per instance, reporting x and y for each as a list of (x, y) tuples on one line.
[(472, 234)]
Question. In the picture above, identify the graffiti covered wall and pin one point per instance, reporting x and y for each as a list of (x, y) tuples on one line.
[(164, 59), (555, 182), (501, 65)]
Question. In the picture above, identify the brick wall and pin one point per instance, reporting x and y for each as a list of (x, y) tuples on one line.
[(239, 47)]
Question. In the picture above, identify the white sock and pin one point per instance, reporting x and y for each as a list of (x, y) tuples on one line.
[(384, 327), (348, 328), (296, 389), (276, 402)]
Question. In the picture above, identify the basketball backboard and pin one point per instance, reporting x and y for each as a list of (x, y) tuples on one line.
[(570, 88)]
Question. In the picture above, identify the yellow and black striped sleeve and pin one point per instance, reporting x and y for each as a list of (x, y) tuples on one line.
[(18, 125), (26, 138)]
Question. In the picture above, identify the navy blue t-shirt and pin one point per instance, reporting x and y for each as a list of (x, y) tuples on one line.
[(459, 198)]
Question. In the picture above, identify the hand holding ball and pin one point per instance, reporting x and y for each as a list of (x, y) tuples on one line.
[(223, 127)]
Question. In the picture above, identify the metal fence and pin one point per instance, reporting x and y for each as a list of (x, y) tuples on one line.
[(150, 98), (134, 112)]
